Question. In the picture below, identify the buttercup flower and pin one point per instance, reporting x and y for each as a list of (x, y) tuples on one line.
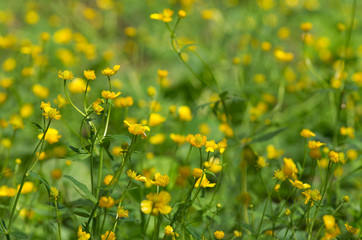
[(137, 129), (49, 112), (165, 16), (156, 203), (122, 213), (109, 235), (110, 95), (196, 141), (298, 184), (161, 180), (106, 202), (179, 139), (89, 74), (97, 108), (82, 235), (351, 229), (311, 196), (211, 146), (219, 234), (204, 183), (306, 133), (184, 113), (65, 75), (51, 136), (110, 72)]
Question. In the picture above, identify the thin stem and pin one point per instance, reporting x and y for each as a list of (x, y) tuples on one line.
[(85, 97), (99, 172), (58, 220), (70, 101)]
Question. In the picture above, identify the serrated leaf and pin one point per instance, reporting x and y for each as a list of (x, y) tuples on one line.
[(41, 179), (268, 136), (82, 188)]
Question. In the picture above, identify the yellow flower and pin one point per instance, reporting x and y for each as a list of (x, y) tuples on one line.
[(211, 146), (108, 179), (137, 129), (261, 163), (197, 172), (289, 168), (109, 235), (333, 156), (279, 175), (9, 64), (331, 227), (82, 235), (204, 183), (169, 230), (40, 91), (181, 14), (27, 213), (54, 193), (97, 108), (315, 144), (179, 139), (306, 133), (16, 122), (213, 165), (6, 191), (89, 74), (28, 187), (60, 101), (51, 136), (272, 152), (287, 212), (106, 202), (151, 91), (156, 119), (351, 229), (347, 131), (78, 85), (237, 233), (299, 184), (65, 75), (219, 234), (161, 180), (157, 203), (122, 213), (184, 113), (311, 196), (123, 102), (110, 95), (56, 173), (283, 56), (110, 72), (49, 112), (196, 141), (222, 145), (306, 26), (165, 16)]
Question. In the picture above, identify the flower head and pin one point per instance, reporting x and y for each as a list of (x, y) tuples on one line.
[(311, 196), (333, 156), (137, 129), (196, 141), (306, 133), (204, 183), (161, 180), (89, 74), (351, 229), (106, 202), (211, 146), (122, 213), (156, 203), (51, 136), (110, 72), (165, 16), (299, 184), (49, 112), (97, 108), (315, 144), (82, 235), (110, 95), (65, 75), (219, 234), (109, 235)]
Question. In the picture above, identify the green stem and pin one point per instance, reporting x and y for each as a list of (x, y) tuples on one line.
[(58, 220), (85, 97), (70, 101), (99, 172)]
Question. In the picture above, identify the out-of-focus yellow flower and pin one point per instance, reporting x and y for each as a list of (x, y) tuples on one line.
[(204, 182), (151, 91), (40, 91), (299, 184), (222, 145), (6, 82), (331, 227), (161, 180), (272, 152), (56, 173), (352, 154), (315, 144), (122, 213), (63, 36), (9, 64), (306, 26), (60, 101), (123, 102), (3, 97), (16, 122), (26, 110), (179, 139), (156, 119), (78, 85), (89, 74), (219, 234), (351, 229), (27, 213), (261, 162), (211, 146), (65, 75), (51, 136), (347, 131), (109, 235), (82, 235), (184, 113), (106, 202), (289, 168), (108, 179), (31, 17), (28, 187), (54, 193), (213, 165), (181, 14), (6, 191), (110, 95), (110, 72), (333, 156), (165, 16), (157, 139), (306, 133), (156, 203), (283, 56)]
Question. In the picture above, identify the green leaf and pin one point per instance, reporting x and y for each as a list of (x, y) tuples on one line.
[(192, 231), (81, 212), (223, 94), (38, 126), (211, 173), (268, 136), (79, 157), (106, 143), (43, 180), (82, 188), (19, 235)]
